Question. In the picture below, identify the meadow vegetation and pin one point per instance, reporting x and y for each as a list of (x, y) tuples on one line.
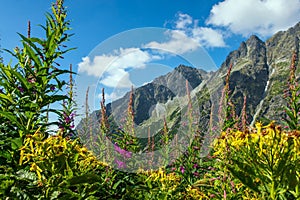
[(261, 162)]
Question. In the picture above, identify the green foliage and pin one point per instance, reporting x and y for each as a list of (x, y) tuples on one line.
[(246, 163), (292, 95), (63, 167), (31, 85), (266, 159)]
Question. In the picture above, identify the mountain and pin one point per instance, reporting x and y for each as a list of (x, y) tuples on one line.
[(260, 72)]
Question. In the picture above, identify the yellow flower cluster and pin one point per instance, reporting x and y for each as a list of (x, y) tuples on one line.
[(56, 155), (195, 193), (167, 182), (267, 140)]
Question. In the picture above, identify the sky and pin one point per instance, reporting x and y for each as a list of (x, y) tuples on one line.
[(128, 43)]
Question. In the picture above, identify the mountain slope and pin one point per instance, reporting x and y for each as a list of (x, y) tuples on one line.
[(260, 72)]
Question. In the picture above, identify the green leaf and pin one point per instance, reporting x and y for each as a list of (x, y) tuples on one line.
[(16, 143), (85, 178), (21, 79), (8, 98), (117, 184), (244, 178), (11, 117)]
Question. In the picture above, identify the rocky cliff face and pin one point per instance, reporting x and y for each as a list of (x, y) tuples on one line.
[(260, 72)]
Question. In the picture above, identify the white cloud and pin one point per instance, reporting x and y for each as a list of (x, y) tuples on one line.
[(208, 37), (178, 43), (262, 17), (118, 78), (113, 95), (183, 21), (112, 67), (188, 36)]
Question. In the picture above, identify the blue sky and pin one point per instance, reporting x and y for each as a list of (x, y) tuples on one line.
[(116, 48)]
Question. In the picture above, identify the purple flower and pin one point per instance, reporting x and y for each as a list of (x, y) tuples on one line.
[(196, 174), (126, 154), (72, 115), (68, 120), (72, 126), (181, 169), (120, 164), (52, 88), (195, 165), (31, 80), (20, 89)]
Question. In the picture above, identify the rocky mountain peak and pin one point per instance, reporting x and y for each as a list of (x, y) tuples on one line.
[(260, 72)]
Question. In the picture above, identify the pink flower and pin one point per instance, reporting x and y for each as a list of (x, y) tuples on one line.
[(120, 164), (126, 154), (182, 169), (196, 174), (225, 195)]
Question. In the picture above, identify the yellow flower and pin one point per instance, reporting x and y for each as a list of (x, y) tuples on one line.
[(37, 169), (258, 126), (21, 155)]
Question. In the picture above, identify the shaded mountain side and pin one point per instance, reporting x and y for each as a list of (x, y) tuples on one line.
[(159, 91), (260, 72)]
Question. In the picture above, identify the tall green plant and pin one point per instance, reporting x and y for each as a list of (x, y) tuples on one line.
[(27, 91), (31, 85), (292, 94)]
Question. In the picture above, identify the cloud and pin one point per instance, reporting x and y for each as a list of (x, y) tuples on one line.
[(208, 37), (113, 67), (110, 97), (179, 43), (183, 21), (119, 78), (262, 17), (188, 36)]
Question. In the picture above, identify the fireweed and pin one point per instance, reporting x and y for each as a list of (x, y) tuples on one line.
[(246, 162), (28, 90)]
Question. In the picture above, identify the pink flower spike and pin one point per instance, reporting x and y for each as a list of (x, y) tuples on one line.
[(182, 169)]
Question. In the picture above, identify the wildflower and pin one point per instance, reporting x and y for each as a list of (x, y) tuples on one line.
[(126, 154), (232, 186), (52, 88), (196, 174), (37, 169), (120, 164), (31, 80), (72, 126), (20, 89), (196, 148), (182, 169), (195, 165)]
